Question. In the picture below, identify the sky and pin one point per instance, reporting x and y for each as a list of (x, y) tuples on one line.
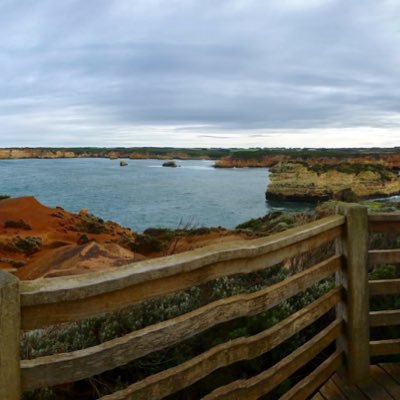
[(200, 73)]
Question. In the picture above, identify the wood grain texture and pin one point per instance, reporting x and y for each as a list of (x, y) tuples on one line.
[(392, 369), (44, 291), (385, 347), (351, 392), (384, 286), (385, 380), (376, 257), (10, 385), (171, 381), (384, 318), (331, 391), (263, 383), (40, 315), (384, 217), (354, 278), (303, 389), (68, 367)]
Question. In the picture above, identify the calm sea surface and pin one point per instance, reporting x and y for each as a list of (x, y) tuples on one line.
[(142, 194)]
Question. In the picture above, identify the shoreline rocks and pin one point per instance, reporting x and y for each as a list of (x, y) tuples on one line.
[(346, 182)]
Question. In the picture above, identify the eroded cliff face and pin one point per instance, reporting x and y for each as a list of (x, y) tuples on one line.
[(21, 153), (35, 153), (299, 182), (386, 160)]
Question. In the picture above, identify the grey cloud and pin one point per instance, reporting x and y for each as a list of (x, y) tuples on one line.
[(79, 71)]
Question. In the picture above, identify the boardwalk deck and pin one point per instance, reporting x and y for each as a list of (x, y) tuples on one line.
[(383, 385)]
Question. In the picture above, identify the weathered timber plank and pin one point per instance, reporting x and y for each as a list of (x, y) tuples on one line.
[(391, 256), (384, 227), (384, 286), (393, 370), (37, 316), (351, 392), (332, 392), (174, 379), (263, 383), (385, 380), (317, 396), (385, 347), (386, 223), (354, 277), (10, 386), (384, 318), (42, 291), (68, 367), (384, 217), (374, 391), (308, 385)]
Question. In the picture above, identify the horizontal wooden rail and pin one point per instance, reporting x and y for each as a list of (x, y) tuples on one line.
[(69, 367), (384, 318), (385, 223), (303, 389), (384, 287), (263, 383), (391, 256), (50, 301), (385, 347), (175, 379)]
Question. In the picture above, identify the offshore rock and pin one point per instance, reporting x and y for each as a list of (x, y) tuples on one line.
[(171, 164), (346, 182)]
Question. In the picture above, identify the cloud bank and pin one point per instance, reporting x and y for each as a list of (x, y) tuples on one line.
[(232, 73)]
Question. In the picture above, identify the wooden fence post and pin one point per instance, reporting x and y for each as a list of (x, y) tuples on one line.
[(10, 320), (354, 278)]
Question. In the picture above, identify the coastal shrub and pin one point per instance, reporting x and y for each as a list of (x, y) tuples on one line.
[(20, 224), (82, 239), (386, 174), (27, 245), (89, 223), (146, 244)]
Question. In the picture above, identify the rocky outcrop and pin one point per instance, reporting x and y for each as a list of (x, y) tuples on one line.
[(388, 160), (301, 182), (170, 164), (113, 154)]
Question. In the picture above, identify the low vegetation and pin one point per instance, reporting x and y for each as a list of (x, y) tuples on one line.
[(70, 337)]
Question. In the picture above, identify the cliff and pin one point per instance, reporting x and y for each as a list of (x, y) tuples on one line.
[(113, 153), (302, 182), (389, 160)]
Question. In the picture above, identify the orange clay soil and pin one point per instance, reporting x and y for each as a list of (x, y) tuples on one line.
[(38, 241)]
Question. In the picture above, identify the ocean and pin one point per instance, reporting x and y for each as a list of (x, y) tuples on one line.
[(143, 194)]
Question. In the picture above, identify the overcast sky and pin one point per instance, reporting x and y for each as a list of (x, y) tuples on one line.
[(226, 73)]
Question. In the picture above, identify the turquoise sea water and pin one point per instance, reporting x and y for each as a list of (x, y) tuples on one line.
[(143, 194)]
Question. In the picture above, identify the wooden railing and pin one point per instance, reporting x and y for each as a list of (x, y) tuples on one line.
[(28, 305), (388, 224)]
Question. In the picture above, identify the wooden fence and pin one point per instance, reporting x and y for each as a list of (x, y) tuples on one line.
[(28, 305)]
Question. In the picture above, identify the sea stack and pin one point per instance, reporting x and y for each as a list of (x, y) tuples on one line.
[(171, 164)]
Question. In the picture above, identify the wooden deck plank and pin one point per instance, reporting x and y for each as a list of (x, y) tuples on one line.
[(386, 380), (384, 384), (373, 391), (352, 393), (317, 396), (393, 370), (331, 391)]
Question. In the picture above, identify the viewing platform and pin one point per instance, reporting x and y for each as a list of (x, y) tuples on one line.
[(338, 361)]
